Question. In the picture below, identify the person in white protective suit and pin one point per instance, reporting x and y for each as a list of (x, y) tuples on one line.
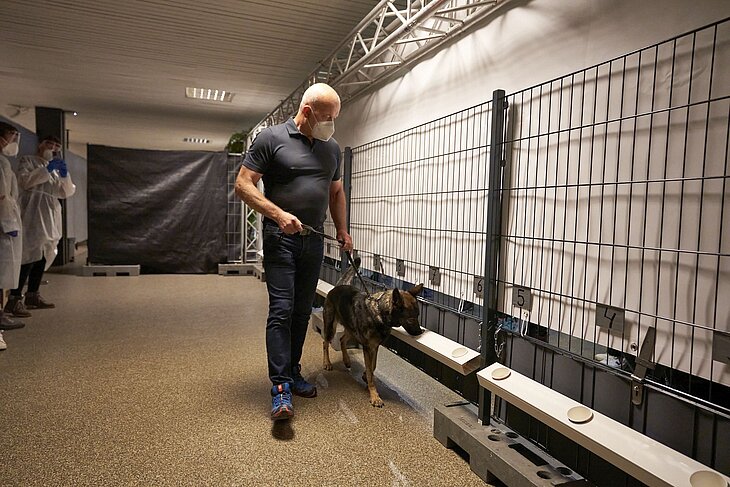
[(11, 243), (43, 179)]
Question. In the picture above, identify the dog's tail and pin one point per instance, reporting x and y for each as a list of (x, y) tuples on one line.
[(349, 274), (328, 319)]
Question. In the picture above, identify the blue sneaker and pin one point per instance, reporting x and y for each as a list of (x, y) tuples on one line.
[(281, 406), (301, 387)]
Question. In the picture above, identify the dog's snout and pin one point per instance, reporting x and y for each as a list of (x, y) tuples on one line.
[(413, 328)]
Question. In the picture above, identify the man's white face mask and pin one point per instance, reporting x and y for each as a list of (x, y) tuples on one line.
[(48, 154), (322, 130)]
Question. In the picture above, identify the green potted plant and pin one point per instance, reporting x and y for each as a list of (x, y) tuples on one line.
[(237, 143)]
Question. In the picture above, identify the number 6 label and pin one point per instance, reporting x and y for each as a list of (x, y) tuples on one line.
[(479, 286)]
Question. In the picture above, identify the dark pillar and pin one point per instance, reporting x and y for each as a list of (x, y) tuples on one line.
[(494, 232), (51, 121), (347, 183)]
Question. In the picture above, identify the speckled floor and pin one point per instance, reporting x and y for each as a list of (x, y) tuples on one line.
[(161, 380)]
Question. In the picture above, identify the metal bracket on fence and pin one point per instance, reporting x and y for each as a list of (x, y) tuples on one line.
[(643, 363)]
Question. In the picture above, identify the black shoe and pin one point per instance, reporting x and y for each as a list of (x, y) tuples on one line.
[(36, 301), (8, 324), (15, 307)]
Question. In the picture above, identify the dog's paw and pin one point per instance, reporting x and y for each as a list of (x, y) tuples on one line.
[(327, 366), (377, 402)]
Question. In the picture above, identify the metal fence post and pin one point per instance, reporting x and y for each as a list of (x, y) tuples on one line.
[(347, 183), (494, 230)]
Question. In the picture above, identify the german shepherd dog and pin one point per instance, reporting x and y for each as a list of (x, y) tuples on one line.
[(367, 319)]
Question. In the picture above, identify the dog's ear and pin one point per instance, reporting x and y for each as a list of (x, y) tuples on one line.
[(397, 299), (416, 290)]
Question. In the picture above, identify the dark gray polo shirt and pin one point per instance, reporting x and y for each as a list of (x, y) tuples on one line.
[(297, 174)]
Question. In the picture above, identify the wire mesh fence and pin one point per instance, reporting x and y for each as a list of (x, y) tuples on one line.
[(417, 208), (615, 212)]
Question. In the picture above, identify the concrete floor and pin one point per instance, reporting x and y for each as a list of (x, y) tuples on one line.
[(161, 380)]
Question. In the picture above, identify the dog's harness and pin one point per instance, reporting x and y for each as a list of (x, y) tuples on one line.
[(307, 230)]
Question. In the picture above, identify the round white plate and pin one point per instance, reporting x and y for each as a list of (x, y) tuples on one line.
[(501, 373), (580, 414), (706, 478), (459, 352)]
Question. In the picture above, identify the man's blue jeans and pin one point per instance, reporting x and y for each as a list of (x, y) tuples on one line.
[(292, 264)]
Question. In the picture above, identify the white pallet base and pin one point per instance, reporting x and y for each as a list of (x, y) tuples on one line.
[(236, 269), (110, 270), (259, 272)]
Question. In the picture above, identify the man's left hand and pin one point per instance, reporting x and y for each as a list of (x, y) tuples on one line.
[(345, 240)]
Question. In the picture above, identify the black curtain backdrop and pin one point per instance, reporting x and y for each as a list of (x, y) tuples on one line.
[(163, 210)]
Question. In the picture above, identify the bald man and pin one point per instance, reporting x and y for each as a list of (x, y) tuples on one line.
[(299, 163)]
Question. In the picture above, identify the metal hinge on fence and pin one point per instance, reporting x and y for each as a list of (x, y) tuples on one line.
[(643, 363)]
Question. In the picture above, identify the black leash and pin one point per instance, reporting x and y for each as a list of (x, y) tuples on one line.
[(307, 230)]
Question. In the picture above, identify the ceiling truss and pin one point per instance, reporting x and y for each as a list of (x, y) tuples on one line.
[(393, 36)]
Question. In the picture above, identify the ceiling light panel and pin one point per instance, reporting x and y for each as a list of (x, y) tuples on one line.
[(210, 94), (196, 140)]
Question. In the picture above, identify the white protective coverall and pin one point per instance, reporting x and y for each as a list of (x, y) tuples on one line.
[(11, 248), (40, 208)]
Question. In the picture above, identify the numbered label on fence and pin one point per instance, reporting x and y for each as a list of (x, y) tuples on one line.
[(434, 276), (522, 297), (400, 267), (479, 286), (609, 317)]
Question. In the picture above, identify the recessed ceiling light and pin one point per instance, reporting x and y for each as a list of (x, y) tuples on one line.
[(209, 94), (196, 140)]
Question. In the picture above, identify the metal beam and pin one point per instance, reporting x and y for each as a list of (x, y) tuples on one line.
[(388, 40)]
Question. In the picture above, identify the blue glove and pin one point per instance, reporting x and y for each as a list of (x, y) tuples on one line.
[(14, 233), (62, 169), (54, 164)]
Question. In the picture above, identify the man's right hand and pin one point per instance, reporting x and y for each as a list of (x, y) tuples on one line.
[(288, 223)]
